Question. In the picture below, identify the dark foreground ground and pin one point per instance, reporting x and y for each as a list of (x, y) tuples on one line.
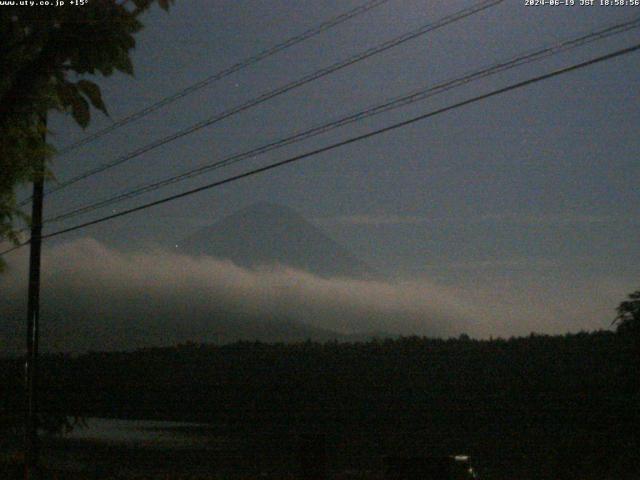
[(540, 407)]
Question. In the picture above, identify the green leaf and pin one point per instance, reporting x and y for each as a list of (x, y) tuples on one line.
[(80, 110), (64, 92), (92, 92), (124, 64)]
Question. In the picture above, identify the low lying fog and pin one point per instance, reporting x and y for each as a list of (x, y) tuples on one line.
[(94, 297)]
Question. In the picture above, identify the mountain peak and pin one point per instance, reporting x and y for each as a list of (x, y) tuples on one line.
[(265, 234)]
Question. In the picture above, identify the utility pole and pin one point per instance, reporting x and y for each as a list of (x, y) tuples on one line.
[(33, 317)]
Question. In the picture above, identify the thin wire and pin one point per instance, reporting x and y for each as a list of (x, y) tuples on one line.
[(219, 76), (15, 247), (393, 103), (351, 140), (328, 24), (281, 90), (358, 138)]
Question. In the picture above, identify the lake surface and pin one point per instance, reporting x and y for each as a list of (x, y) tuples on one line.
[(139, 433), (112, 448)]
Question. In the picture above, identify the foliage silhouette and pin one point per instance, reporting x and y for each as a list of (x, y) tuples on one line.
[(521, 407), (43, 52), (628, 318)]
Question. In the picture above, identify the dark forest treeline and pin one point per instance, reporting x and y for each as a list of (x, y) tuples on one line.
[(534, 401)]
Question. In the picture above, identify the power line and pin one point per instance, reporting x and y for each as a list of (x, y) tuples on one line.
[(393, 103), (351, 140), (461, 14), (328, 24), (15, 247), (219, 76)]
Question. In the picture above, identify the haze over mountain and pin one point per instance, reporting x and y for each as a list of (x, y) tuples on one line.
[(84, 325), (263, 273), (266, 234), (97, 298)]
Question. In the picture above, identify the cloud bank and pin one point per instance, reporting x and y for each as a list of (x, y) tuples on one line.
[(88, 286), (96, 297)]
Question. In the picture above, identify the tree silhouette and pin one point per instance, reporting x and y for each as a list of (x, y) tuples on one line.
[(45, 53), (628, 318)]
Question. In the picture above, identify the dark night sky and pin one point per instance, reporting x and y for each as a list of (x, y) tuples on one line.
[(526, 204)]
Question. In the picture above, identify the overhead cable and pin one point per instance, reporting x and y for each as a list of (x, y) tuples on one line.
[(358, 138), (394, 103), (461, 14)]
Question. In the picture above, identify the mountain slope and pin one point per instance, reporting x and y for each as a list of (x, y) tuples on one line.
[(268, 234), (82, 325)]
